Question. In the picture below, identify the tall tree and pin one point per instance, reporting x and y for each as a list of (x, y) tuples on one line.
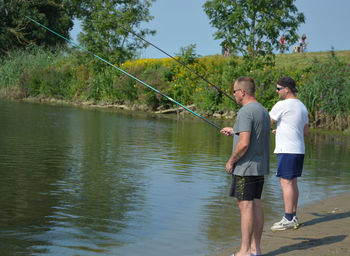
[(101, 22), (18, 32), (253, 27)]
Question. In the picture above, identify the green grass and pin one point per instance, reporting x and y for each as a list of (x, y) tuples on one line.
[(288, 60)]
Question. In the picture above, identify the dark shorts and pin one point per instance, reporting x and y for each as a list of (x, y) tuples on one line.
[(247, 188), (289, 166)]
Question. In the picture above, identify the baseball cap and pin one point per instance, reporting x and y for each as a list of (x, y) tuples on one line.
[(287, 81)]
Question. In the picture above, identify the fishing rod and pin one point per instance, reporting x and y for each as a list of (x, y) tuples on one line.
[(178, 61), (126, 73)]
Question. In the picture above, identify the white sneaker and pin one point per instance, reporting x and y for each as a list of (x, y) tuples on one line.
[(285, 224), (296, 222)]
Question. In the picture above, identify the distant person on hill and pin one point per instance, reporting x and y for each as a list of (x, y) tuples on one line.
[(292, 125), (282, 46), (226, 50), (303, 43)]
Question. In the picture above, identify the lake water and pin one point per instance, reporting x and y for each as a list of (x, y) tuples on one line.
[(97, 182)]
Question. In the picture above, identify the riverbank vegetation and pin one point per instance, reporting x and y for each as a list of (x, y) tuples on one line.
[(66, 74)]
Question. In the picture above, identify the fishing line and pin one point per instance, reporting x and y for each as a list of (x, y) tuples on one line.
[(138, 80), (184, 65), (178, 61), (126, 73)]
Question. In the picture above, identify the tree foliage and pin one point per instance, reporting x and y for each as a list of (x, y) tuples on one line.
[(187, 54), (101, 22), (18, 32), (253, 27)]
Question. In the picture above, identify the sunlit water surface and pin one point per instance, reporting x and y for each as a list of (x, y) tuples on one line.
[(97, 182)]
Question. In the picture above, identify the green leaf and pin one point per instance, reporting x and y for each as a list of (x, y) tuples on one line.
[(253, 27)]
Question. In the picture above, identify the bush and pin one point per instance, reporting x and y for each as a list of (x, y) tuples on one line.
[(328, 91), (19, 62), (324, 85)]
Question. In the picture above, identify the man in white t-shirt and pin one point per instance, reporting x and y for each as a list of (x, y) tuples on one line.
[(292, 125)]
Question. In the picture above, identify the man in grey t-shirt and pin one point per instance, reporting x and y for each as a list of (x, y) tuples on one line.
[(249, 162)]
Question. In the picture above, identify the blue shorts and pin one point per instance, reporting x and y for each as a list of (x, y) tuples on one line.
[(289, 166)]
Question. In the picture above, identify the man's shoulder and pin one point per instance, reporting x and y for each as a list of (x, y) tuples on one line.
[(253, 106), (280, 103), (288, 107), (288, 103), (296, 104), (255, 110), (259, 109)]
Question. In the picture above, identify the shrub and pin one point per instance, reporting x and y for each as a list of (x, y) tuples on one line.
[(328, 91), (324, 84)]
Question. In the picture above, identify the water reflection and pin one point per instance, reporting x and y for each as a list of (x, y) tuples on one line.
[(91, 182)]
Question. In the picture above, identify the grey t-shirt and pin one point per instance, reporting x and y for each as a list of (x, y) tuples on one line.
[(253, 118)]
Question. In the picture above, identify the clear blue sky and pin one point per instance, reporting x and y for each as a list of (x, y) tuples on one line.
[(180, 23)]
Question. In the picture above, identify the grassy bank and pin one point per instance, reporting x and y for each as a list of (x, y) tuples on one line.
[(323, 81)]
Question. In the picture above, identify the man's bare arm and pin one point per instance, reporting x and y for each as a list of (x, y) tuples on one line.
[(240, 150)]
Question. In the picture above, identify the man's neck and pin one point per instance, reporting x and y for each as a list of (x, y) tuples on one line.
[(249, 100), (290, 96)]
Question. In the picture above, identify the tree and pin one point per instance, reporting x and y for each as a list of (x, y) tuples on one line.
[(102, 22), (16, 31), (187, 54), (253, 27)]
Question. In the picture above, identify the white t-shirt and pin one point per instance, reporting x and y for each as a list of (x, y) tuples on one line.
[(291, 116)]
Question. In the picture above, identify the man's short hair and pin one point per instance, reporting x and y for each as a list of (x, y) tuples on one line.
[(287, 81), (247, 84)]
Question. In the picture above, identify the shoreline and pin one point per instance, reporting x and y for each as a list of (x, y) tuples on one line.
[(223, 115), (324, 230), (218, 115)]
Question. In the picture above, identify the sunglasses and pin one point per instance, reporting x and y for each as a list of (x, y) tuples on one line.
[(280, 88)]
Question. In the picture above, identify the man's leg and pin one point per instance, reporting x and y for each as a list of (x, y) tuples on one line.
[(258, 227), (290, 194), (247, 224), (296, 195)]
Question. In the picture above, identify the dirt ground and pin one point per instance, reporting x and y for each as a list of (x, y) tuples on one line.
[(324, 230)]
